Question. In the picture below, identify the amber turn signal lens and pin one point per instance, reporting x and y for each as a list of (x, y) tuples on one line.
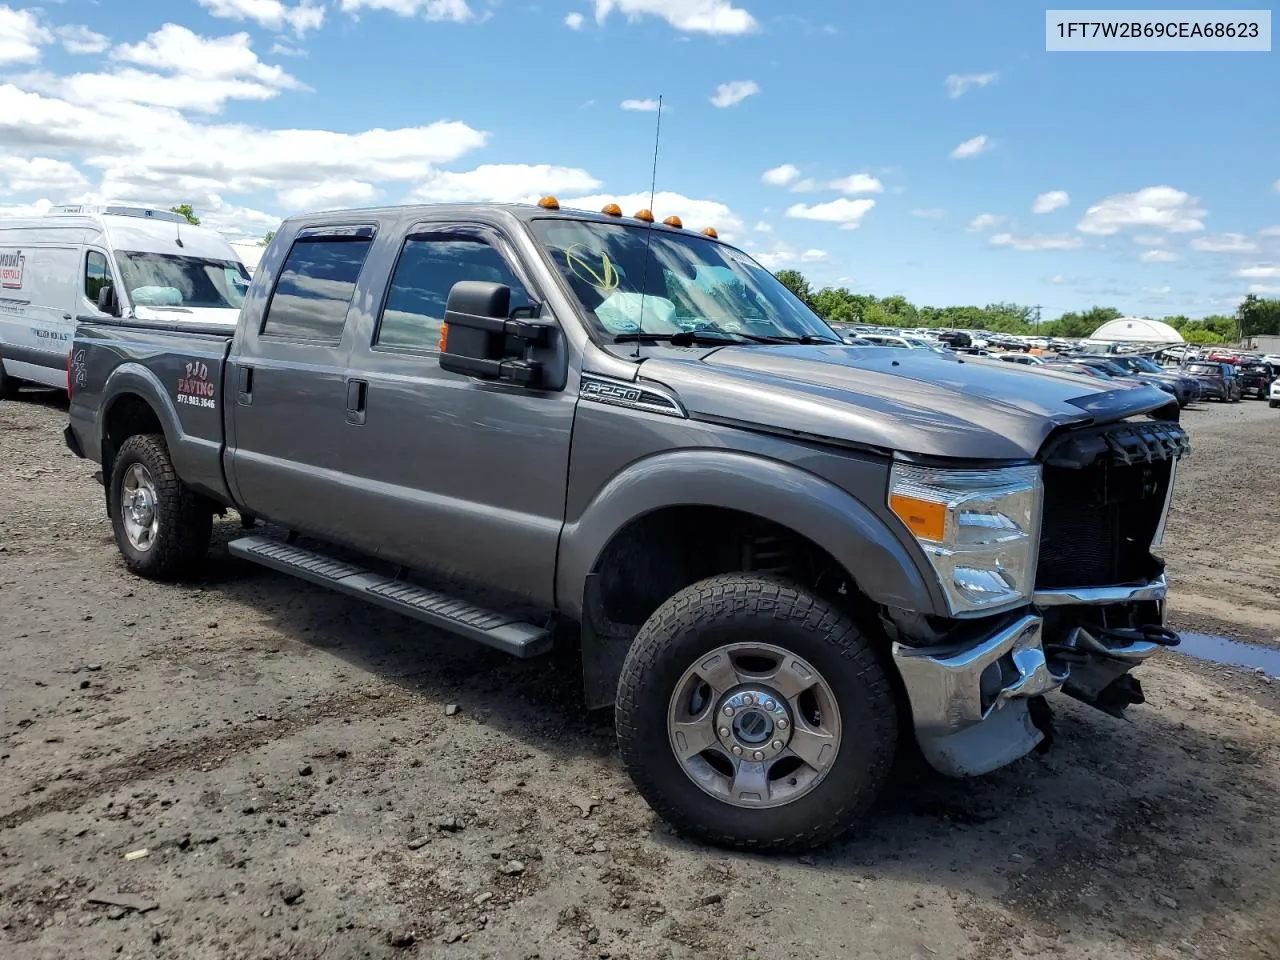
[(611, 210), (924, 518), (710, 232), (645, 215), (444, 337), (549, 203), (674, 222)]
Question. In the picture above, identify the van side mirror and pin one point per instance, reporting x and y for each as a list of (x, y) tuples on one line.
[(108, 302), (477, 327)]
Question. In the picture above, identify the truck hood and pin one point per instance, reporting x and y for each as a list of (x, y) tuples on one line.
[(217, 316), (912, 401)]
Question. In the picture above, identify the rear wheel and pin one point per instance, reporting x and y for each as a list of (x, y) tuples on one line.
[(162, 527), (752, 714)]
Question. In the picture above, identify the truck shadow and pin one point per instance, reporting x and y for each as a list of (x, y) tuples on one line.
[(1146, 831)]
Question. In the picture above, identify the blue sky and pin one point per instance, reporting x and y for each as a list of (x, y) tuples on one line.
[(893, 148)]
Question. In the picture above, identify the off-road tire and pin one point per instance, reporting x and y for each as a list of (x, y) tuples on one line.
[(185, 517), (1273, 404), (743, 608), (9, 384)]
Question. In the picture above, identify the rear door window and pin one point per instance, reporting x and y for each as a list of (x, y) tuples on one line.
[(313, 294)]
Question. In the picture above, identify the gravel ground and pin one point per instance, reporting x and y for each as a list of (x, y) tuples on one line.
[(249, 767)]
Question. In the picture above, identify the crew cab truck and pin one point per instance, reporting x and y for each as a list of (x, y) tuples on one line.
[(785, 556)]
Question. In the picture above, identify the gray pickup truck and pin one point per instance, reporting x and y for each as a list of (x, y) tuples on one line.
[(784, 557)]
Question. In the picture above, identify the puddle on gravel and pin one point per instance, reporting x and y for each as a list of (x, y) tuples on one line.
[(1235, 653)]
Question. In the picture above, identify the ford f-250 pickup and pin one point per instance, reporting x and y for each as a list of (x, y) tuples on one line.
[(782, 554)]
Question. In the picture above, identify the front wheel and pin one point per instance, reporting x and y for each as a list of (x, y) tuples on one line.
[(162, 527), (752, 714)]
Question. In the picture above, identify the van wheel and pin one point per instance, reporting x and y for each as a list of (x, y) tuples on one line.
[(754, 715), (9, 385), (162, 527)]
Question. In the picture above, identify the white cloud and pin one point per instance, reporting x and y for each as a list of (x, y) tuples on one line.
[(1036, 241), (857, 183), (970, 148), (1276, 186), (784, 256), (1264, 288), (691, 16), (1226, 243), (960, 83), (646, 106), (281, 49), (696, 214), (1162, 208), (39, 175), (201, 94), (455, 10), (1058, 278), (985, 221), (1159, 256), (37, 209), (1270, 231), (1158, 291), (734, 92), (1262, 271), (574, 21), (1051, 201), (21, 36), (929, 213), (503, 183), (780, 176), (1151, 240), (807, 185), (763, 227), (847, 213), (177, 50), (328, 194), (80, 39), (271, 14)]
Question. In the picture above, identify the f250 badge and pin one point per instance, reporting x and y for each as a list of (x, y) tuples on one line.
[(195, 389)]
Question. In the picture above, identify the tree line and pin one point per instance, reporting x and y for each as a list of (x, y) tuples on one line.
[(1254, 317)]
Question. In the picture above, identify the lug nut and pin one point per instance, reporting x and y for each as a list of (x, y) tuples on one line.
[(777, 744), (758, 755), (737, 750), (724, 731), (748, 699), (769, 704), (782, 724), (728, 711)]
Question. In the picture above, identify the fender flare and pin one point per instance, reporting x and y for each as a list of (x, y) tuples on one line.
[(830, 517)]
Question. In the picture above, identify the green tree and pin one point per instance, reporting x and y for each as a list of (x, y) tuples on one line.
[(795, 281), (1258, 317), (266, 240), (188, 211)]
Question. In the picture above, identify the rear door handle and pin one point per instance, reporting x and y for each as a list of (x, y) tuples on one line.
[(245, 390), (357, 397)]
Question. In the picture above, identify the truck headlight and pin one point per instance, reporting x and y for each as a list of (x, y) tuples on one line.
[(980, 529)]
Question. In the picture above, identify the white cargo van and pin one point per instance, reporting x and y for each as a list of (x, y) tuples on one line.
[(118, 261)]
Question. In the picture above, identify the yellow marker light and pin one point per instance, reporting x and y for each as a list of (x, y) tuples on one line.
[(611, 210), (444, 337), (924, 518), (710, 232), (645, 215), (674, 222), (549, 203)]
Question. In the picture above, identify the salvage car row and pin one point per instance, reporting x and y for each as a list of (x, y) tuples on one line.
[(784, 555)]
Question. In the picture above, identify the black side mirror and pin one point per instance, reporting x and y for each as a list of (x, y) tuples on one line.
[(108, 302), (477, 329)]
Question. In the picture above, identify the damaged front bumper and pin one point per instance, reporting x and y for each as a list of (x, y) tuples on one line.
[(972, 702)]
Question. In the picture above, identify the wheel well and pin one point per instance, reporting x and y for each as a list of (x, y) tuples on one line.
[(128, 416), (661, 553)]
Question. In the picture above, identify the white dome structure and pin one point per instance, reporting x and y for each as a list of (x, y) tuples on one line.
[(1136, 330)]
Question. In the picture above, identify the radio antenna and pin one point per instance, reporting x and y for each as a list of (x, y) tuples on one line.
[(648, 237)]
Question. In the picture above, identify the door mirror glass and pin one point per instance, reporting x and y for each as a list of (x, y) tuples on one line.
[(107, 301)]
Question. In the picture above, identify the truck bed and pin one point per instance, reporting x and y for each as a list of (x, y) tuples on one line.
[(168, 373)]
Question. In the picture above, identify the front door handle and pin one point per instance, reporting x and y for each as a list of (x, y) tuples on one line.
[(357, 397), (245, 390)]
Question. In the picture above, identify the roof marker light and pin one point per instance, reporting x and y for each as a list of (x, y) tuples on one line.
[(645, 215), (611, 210), (710, 232), (549, 203), (674, 222)]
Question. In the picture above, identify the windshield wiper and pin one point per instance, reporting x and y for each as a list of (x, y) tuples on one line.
[(686, 338), (805, 339)]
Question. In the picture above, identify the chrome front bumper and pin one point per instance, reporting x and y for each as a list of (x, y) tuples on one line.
[(963, 733)]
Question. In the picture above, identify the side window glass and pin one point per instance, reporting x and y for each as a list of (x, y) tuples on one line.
[(425, 273), (97, 273), (315, 288)]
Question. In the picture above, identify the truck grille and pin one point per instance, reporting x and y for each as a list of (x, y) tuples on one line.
[(1104, 495)]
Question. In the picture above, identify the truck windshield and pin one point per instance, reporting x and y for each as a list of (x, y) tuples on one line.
[(166, 280), (682, 283)]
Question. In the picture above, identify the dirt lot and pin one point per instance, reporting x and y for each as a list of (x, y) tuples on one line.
[(291, 764)]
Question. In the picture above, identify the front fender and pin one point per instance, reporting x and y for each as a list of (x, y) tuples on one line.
[(780, 492)]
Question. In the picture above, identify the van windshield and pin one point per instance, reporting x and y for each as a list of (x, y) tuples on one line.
[(632, 279), (166, 280)]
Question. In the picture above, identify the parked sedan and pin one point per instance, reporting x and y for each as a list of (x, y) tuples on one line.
[(1185, 389), (1218, 380), (1112, 367)]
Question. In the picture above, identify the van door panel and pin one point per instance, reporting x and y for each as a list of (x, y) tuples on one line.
[(37, 308)]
